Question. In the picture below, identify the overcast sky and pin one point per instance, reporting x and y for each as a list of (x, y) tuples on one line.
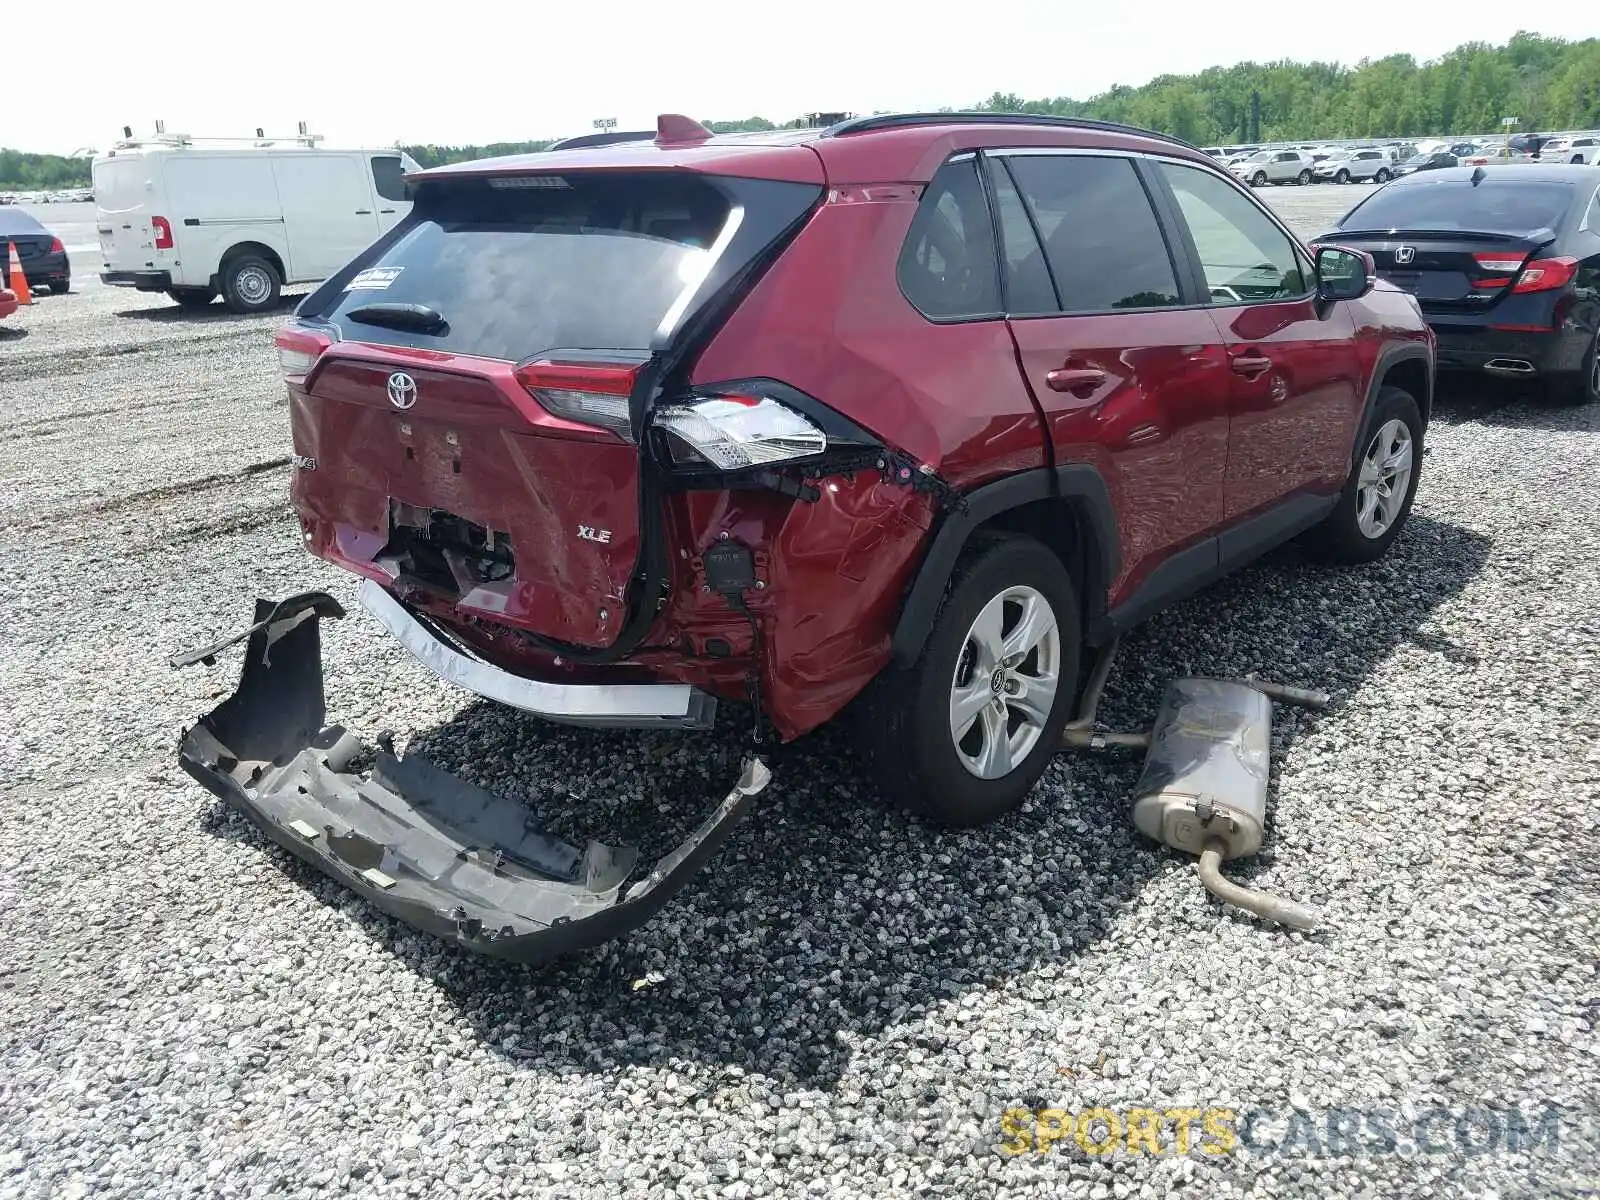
[(472, 71)]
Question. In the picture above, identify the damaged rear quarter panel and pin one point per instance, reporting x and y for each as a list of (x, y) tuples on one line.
[(834, 573)]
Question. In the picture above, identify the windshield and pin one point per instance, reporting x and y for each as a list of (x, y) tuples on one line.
[(1260, 156), (510, 269), (1493, 206), (1416, 160)]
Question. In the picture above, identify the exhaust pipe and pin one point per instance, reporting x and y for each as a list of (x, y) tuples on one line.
[(1509, 366)]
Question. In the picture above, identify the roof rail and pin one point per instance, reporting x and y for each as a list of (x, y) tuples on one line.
[(130, 141), (907, 120), (611, 137)]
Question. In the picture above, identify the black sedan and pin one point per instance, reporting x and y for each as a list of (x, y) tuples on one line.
[(1425, 162), (43, 257), (1504, 262)]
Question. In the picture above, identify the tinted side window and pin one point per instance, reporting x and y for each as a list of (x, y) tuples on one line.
[(1244, 256), (947, 265), (387, 178), (1101, 239), (1028, 285)]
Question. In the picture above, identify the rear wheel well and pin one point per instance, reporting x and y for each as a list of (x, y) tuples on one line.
[(1062, 526), (256, 248), (1411, 375)]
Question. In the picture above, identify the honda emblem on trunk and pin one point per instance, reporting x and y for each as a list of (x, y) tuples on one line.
[(1402, 255), (402, 390)]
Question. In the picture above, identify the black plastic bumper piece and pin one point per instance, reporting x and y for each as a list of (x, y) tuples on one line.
[(439, 853), (144, 281)]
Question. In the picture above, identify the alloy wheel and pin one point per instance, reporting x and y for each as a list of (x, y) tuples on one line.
[(1005, 682), (1385, 479)]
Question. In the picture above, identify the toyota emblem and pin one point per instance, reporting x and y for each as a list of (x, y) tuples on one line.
[(402, 390), (1402, 255)]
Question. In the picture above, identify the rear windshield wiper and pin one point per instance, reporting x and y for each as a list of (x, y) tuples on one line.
[(418, 318)]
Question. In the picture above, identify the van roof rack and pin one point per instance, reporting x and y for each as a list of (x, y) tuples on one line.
[(910, 120), (161, 137)]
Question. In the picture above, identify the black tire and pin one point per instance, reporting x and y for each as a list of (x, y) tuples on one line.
[(193, 299), (1340, 537), (1585, 387), (1303, 178), (250, 284), (1382, 176), (1260, 179), (902, 723), (1341, 176), (60, 287)]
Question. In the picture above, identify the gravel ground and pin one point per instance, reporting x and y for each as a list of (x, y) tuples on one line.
[(847, 1001)]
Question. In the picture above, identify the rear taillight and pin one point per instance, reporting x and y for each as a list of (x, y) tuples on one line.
[(298, 351), (737, 430), (1493, 260), (1546, 275), (163, 232), (56, 247), (589, 393)]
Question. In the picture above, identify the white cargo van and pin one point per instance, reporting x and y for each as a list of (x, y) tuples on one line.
[(199, 218)]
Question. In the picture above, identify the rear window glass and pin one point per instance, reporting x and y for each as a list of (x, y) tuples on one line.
[(1493, 206), (590, 262)]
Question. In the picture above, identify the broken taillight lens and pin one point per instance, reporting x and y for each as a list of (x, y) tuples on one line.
[(733, 431), (298, 351), (589, 393)]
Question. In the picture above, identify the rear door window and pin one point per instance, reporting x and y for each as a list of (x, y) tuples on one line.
[(388, 178), (948, 269), (1028, 285), (1102, 241), (517, 265)]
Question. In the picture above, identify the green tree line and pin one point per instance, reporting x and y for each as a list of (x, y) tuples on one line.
[(1546, 83), (21, 172)]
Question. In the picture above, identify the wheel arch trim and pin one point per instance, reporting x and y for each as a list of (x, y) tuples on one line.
[(1079, 485)]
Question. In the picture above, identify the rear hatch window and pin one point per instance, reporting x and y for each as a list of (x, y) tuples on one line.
[(515, 265), (1520, 206)]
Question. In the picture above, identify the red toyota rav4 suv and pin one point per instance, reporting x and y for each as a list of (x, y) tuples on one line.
[(905, 412)]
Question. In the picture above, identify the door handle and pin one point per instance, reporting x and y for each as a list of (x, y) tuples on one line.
[(1250, 364), (386, 210), (1080, 381), (363, 212)]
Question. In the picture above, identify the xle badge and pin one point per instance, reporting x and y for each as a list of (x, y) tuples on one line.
[(589, 533)]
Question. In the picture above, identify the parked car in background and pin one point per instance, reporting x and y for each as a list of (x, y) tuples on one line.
[(1490, 156), (1273, 166), (197, 220), (43, 257), (1365, 165), (1504, 264), (1438, 160), (1581, 149), (8, 303), (1462, 149), (768, 489)]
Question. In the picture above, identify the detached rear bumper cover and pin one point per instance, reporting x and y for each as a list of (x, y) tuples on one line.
[(439, 853)]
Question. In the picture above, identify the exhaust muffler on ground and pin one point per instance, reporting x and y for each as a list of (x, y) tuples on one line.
[(1203, 789)]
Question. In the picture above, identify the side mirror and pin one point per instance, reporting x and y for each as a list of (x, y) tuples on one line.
[(1344, 274)]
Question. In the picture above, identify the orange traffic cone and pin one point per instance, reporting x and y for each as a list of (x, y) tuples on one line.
[(19, 281)]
